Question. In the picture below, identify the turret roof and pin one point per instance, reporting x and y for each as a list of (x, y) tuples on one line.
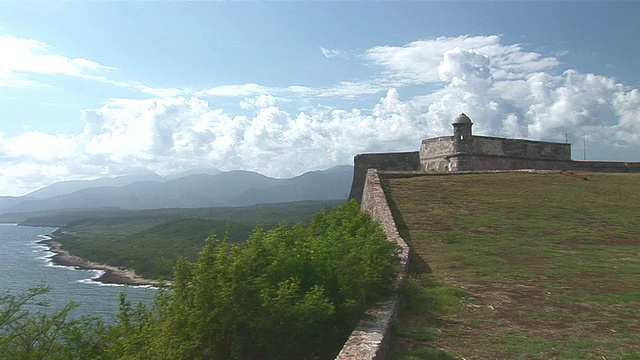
[(462, 119)]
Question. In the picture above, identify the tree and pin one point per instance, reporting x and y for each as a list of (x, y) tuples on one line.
[(26, 334)]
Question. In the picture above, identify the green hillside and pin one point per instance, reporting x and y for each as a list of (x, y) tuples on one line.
[(519, 266), (149, 241)]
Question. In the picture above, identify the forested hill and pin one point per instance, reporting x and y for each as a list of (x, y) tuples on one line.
[(149, 241)]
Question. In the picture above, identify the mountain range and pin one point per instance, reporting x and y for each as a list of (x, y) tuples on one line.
[(196, 188)]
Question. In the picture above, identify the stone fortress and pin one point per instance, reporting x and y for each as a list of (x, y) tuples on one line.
[(460, 153), (467, 152)]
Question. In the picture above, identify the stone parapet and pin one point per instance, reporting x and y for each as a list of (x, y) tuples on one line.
[(407, 161), (370, 339)]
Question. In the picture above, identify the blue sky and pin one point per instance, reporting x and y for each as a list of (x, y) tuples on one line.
[(110, 88)]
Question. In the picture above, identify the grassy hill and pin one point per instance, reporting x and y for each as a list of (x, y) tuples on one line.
[(519, 266), (149, 241)]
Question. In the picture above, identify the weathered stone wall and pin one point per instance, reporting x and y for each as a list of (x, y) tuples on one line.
[(434, 153), (486, 162), (370, 339), (402, 161), (437, 147), (491, 153), (520, 149)]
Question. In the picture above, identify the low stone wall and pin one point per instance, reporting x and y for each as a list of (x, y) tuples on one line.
[(406, 161), (370, 339)]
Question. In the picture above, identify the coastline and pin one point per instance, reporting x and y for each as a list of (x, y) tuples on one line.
[(111, 274)]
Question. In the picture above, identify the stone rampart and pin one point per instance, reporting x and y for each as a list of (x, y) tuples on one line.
[(437, 147), (370, 339), (520, 149), (492, 153), (488, 162), (401, 161)]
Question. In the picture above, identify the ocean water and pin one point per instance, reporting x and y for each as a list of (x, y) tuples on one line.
[(24, 263)]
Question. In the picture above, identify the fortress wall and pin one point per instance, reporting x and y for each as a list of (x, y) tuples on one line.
[(483, 162), (605, 166), (491, 153), (522, 149), (436, 165), (402, 161), (433, 153), (436, 147), (370, 339)]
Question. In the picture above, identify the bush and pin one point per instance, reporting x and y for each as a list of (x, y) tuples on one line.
[(287, 293)]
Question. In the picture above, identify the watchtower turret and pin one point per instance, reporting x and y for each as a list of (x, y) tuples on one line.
[(462, 133)]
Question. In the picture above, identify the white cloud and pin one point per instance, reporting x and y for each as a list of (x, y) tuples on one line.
[(28, 56), (233, 90), (461, 66), (38, 148), (261, 102), (419, 61), (511, 92), (331, 53)]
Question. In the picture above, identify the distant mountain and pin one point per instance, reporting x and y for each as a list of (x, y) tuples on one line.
[(333, 183), (232, 188), (9, 201), (199, 171), (68, 187)]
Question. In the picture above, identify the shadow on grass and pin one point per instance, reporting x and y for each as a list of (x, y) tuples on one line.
[(417, 264), (423, 298), (424, 302)]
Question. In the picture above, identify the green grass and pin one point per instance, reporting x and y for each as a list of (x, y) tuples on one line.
[(549, 266)]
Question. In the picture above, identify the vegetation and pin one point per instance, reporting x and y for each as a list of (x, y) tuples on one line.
[(27, 335), (519, 266), (150, 241), (286, 293)]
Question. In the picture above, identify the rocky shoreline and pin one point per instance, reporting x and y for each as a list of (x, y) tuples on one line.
[(111, 275)]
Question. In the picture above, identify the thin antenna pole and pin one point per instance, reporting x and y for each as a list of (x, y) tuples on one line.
[(584, 146)]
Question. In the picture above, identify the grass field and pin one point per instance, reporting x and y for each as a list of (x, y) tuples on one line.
[(519, 266)]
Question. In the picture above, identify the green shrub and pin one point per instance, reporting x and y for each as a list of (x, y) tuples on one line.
[(287, 293)]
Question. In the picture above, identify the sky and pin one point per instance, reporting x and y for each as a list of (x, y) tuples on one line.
[(104, 89)]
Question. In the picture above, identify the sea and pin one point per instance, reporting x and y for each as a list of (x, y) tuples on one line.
[(25, 263)]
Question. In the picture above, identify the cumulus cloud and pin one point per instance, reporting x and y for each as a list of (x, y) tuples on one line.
[(419, 61), (511, 92), (460, 66)]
